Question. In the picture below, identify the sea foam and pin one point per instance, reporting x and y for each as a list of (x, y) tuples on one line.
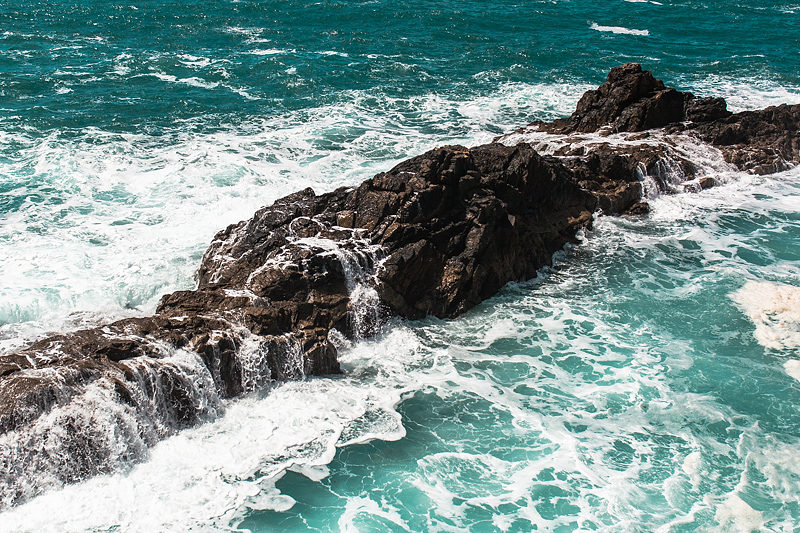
[(737, 516), (775, 310), (210, 476), (621, 30)]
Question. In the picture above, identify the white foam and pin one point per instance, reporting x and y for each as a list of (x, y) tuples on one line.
[(666, 176), (93, 422), (792, 368), (775, 310), (270, 51), (775, 462), (691, 467), (333, 53), (193, 81), (528, 102), (745, 93), (249, 32), (620, 30), (208, 477), (364, 506), (734, 515), (194, 61)]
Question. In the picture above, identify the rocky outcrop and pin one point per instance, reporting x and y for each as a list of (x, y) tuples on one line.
[(762, 142), (435, 235), (448, 228), (458, 224), (632, 100)]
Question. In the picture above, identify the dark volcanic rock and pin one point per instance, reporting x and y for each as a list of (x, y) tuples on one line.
[(615, 174), (706, 109), (631, 99), (469, 221), (435, 235), (763, 141)]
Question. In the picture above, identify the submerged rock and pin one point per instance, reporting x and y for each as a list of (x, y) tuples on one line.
[(435, 235)]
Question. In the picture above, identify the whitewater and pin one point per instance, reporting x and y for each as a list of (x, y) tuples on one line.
[(647, 381)]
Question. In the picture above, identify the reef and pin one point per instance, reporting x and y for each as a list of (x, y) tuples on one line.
[(435, 235)]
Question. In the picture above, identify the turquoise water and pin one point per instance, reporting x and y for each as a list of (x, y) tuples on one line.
[(647, 382)]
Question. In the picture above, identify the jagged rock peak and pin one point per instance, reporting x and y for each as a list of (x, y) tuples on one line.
[(631, 99)]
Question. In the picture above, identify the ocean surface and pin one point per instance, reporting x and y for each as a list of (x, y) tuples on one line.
[(648, 381)]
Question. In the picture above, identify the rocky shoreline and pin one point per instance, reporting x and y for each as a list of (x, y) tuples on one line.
[(435, 235)]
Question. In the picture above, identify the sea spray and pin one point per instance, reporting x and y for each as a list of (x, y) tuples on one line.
[(217, 473), (360, 261), (166, 393), (105, 426)]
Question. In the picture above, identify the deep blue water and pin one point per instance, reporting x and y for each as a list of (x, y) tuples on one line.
[(160, 67), (647, 382)]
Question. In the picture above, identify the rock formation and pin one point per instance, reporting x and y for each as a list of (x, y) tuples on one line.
[(632, 100), (435, 235)]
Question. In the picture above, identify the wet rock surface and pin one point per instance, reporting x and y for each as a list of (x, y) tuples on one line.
[(632, 100), (435, 235), (762, 142)]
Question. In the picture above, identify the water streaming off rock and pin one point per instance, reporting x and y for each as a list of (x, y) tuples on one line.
[(648, 381)]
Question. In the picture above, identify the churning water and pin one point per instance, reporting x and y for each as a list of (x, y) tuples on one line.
[(648, 381)]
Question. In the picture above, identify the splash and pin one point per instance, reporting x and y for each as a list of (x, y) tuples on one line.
[(737, 516), (211, 476), (360, 262), (106, 426)]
